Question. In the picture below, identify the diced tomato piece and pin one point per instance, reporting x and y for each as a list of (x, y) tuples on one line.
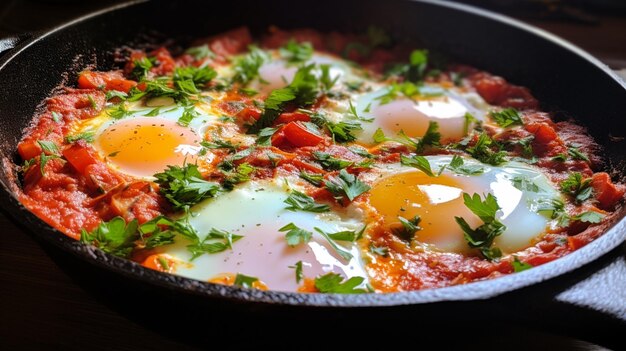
[(28, 149), (490, 88), (606, 192), (231, 43), (297, 135), (80, 156), (248, 113), (543, 132), (105, 80), (165, 62), (288, 117)]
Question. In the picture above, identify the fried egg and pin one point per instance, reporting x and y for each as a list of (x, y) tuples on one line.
[(518, 188), (256, 211), (278, 73), (148, 138), (449, 108)]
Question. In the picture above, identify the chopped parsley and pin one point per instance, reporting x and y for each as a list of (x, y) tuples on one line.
[(86, 136), (524, 184), (419, 162), (302, 91), (294, 52), (507, 117), (300, 201), (189, 113), (245, 281), (575, 153), (333, 283), (184, 186), (200, 52), (430, 139), (329, 162), (118, 111), (313, 178), (379, 250), (483, 151), (341, 131), (265, 136), (239, 174), (141, 67), (247, 67), (326, 79), (519, 266), (56, 116), (483, 236), (295, 235), (577, 187), (415, 70), (408, 229), (457, 165), (589, 217), (298, 271), (345, 184), (114, 237)]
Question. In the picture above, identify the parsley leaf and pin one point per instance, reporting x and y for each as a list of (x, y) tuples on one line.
[(200, 52), (335, 284), (189, 113), (295, 235), (483, 236), (345, 254), (303, 202), (141, 68), (379, 250), (313, 178), (191, 78), (86, 136), (216, 241), (245, 281), (49, 147), (589, 217), (430, 138), (329, 162), (114, 237), (482, 151), (415, 70), (457, 165), (340, 131), (419, 162), (346, 184), (240, 174), (576, 187), (295, 52), (219, 144), (326, 79), (524, 184), (519, 266), (576, 154), (265, 136), (184, 186), (506, 117), (408, 229), (247, 67), (298, 270)]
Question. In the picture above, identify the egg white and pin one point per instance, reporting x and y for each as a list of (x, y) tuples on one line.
[(256, 211)]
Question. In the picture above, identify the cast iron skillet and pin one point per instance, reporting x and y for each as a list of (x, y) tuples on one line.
[(564, 78)]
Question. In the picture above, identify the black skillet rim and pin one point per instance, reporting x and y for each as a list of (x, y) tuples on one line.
[(612, 238)]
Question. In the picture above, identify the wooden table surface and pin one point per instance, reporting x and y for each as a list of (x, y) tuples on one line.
[(43, 307)]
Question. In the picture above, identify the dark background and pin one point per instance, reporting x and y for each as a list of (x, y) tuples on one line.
[(44, 307)]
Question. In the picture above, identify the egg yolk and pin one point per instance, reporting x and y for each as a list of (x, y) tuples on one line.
[(436, 200), (143, 146)]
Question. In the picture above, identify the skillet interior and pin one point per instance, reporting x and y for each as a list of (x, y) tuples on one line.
[(556, 73)]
